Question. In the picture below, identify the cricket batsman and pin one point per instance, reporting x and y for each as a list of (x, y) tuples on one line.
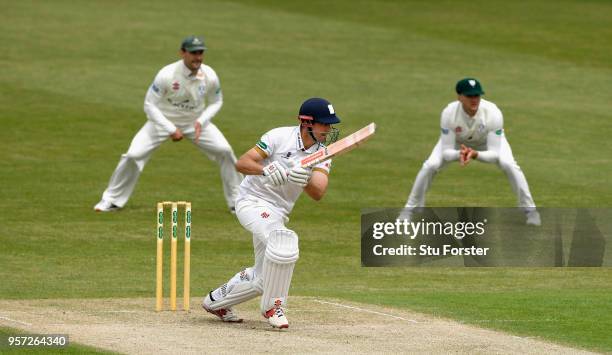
[(472, 128), (266, 197)]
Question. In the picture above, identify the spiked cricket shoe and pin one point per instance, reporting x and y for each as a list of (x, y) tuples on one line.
[(533, 218), (276, 318), (105, 206), (225, 314)]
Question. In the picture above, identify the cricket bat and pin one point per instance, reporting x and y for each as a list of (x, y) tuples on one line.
[(340, 147)]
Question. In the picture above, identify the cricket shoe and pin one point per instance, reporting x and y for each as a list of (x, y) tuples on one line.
[(225, 314), (533, 218), (405, 215), (105, 206), (276, 318)]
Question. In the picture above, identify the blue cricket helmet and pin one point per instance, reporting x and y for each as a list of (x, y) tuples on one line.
[(319, 110)]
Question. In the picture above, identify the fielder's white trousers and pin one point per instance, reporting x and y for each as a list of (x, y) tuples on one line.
[(211, 142), (436, 162)]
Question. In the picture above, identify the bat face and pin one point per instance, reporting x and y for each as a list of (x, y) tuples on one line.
[(340, 147)]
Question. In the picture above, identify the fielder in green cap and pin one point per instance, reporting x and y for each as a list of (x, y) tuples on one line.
[(181, 102), (472, 128), (193, 44)]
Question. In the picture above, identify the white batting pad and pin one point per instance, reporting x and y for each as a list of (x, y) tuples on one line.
[(240, 288), (281, 255)]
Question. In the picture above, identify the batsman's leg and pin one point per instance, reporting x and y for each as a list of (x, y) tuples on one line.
[(246, 284), (240, 288), (282, 253)]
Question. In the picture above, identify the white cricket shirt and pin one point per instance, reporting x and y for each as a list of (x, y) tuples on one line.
[(472, 131), (282, 144), (178, 98)]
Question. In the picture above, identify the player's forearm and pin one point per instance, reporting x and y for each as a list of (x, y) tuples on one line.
[(154, 114), (447, 140), (315, 192), (450, 154), (249, 167), (317, 186), (250, 163), (491, 155), (488, 156)]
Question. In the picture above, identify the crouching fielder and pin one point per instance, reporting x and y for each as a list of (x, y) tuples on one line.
[(472, 128), (266, 197)]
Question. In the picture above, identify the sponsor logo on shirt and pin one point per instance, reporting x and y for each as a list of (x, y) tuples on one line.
[(265, 215), (444, 130), (183, 105), (154, 88), (499, 132), (176, 86)]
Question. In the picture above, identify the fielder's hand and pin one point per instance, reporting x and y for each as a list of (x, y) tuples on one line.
[(275, 173), (198, 131), (300, 176), (177, 135), (466, 155)]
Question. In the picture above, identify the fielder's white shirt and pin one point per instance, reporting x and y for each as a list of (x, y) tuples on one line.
[(482, 132), (176, 97), (283, 145)]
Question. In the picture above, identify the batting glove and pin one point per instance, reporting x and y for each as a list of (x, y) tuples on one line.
[(275, 173), (300, 176)]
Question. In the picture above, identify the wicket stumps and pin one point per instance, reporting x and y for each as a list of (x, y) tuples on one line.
[(173, 251)]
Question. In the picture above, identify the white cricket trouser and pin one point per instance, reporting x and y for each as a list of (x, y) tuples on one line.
[(260, 219), (257, 217), (436, 162), (211, 142)]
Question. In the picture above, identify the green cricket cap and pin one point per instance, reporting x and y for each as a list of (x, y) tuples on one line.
[(192, 44), (469, 87)]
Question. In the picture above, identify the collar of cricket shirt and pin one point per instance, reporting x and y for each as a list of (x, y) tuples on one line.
[(470, 120), (187, 73), (300, 143)]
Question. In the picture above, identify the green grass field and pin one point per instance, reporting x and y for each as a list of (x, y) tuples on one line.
[(73, 79)]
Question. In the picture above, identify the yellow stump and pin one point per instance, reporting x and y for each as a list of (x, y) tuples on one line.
[(173, 246), (160, 258), (187, 256), (173, 254)]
